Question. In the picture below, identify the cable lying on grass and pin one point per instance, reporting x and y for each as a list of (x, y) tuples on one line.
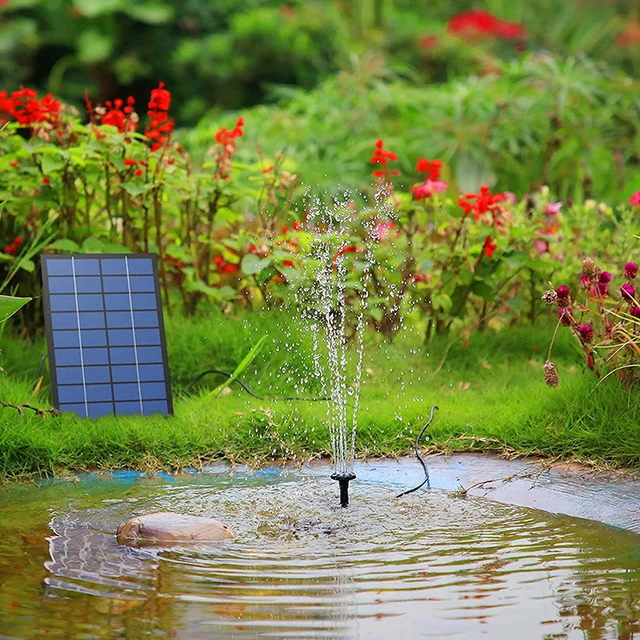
[(247, 388)]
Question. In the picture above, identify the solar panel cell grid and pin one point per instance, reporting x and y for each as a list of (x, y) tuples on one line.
[(106, 336)]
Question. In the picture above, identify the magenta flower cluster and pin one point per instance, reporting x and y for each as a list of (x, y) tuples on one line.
[(627, 290)]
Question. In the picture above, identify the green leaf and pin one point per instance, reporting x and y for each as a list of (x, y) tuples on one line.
[(112, 247), (92, 245), (376, 313), (517, 304), (94, 8), (51, 164), (252, 264), (246, 361), (94, 46), (266, 274), (516, 259), (222, 293), (483, 290), (135, 189), (26, 265), (10, 305), (64, 244), (150, 13), (441, 301)]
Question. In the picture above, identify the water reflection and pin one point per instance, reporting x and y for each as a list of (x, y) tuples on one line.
[(427, 566)]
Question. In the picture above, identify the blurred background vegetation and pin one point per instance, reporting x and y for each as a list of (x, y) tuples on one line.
[(548, 97), (225, 54)]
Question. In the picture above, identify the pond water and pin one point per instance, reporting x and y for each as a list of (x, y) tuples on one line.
[(429, 565)]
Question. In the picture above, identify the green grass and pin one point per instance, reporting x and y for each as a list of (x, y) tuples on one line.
[(491, 396)]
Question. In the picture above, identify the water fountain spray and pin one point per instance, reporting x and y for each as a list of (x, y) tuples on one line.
[(339, 238)]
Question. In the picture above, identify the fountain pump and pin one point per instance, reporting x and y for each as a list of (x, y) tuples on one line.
[(343, 480)]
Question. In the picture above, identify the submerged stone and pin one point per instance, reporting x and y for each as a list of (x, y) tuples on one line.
[(165, 526)]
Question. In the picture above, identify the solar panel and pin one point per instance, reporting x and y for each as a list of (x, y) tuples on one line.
[(105, 334)]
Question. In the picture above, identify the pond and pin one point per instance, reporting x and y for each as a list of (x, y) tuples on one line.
[(430, 565)]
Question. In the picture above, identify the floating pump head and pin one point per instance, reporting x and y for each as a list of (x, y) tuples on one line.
[(343, 480)]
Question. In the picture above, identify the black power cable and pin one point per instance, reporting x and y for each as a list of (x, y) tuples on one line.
[(247, 388), (420, 458)]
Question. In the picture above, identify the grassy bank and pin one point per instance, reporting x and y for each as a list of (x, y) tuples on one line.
[(490, 392)]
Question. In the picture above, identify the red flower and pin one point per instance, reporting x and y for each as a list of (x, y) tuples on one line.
[(46, 180), (138, 172), (489, 247), (160, 126), (230, 268), (14, 163), (12, 249), (296, 226), (117, 116), (635, 199), (24, 107), (430, 167), (428, 42), (268, 169), (129, 162), (382, 156), (480, 203), (477, 24), (160, 99), (630, 36), (287, 263), (348, 249), (226, 140)]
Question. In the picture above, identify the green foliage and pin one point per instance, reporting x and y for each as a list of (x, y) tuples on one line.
[(570, 124), (208, 52), (10, 305), (106, 189)]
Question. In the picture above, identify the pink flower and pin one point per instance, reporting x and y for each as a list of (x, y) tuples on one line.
[(635, 199), (585, 281), (585, 331), (541, 246), (510, 197), (630, 270), (383, 230), (428, 188), (564, 297), (634, 312), (553, 208), (627, 291), (564, 314)]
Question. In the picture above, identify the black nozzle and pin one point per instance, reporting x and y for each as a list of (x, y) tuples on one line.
[(343, 481)]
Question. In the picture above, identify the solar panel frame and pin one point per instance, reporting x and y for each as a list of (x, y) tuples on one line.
[(96, 305)]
